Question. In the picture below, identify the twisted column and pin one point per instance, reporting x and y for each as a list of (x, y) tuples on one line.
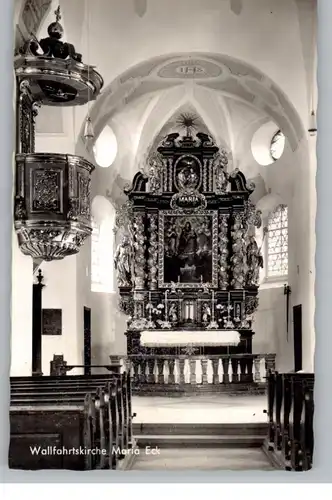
[(223, 252), (153, 251), (238, 263), (139, 250)]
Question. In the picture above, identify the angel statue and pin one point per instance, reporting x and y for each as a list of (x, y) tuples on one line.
[(172, 313), (123, 262), (254, 262), (206, 313)]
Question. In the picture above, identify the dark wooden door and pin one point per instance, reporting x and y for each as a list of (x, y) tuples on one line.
[(297, 323), (87, 340)]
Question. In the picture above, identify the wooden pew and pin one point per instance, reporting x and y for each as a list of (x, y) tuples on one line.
[(290, 438), (70, 412)]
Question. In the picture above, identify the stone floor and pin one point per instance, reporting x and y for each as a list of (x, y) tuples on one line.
[(202, 459), (210, 408)]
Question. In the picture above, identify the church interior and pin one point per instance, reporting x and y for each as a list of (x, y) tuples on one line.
[(163, 244)]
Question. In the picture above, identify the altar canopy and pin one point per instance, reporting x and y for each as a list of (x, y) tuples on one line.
[(188, 262)]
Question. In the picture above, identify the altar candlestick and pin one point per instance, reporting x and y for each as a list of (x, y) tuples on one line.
[(213, 324), (166, 305), (229, 303), (167, 324)]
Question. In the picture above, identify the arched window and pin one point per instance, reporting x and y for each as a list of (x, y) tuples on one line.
[(102, 268), (277, 145), (96, 281), (277, 243)]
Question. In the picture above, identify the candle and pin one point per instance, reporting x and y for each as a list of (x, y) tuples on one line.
[(229, 303), (150, 297)]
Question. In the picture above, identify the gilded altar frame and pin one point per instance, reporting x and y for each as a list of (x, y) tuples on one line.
[(214, 247)]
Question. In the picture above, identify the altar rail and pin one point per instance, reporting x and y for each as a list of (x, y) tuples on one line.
[(208, 372), (290, 441)]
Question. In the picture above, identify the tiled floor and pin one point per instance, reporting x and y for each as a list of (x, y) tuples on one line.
[(213, 408), (202, 459)]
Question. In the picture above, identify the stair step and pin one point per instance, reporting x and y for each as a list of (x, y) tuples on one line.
[(203, 429), (196, 441)]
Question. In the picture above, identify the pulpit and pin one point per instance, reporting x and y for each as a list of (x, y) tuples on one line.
[(188, 264)]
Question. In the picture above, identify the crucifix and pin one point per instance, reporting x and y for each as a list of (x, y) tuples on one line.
[(229, 322), (150, 323), (287, 292)]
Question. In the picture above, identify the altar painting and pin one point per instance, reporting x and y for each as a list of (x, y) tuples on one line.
[(188, 249)]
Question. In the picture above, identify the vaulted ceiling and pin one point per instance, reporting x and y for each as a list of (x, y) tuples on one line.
[(237, 64)]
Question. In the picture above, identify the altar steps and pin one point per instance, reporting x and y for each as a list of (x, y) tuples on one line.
[(249, 435), (192, 389), (203, 459)]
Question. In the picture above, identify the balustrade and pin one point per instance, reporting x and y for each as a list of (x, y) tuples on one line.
[(290, 416), (199, 370)]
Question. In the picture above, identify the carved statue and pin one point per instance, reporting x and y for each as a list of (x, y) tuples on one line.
[(172, 313), (206, 313), (221, 181), (220, 163), (254, 262), (154, 174), (123, 262)]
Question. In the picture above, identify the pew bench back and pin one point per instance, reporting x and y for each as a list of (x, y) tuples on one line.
[(69, 413)]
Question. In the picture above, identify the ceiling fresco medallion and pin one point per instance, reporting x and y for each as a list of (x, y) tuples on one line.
[(190, 69)]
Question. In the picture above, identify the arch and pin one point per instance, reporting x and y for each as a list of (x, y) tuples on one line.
[(172, 103), (265, 95), (105, 148), (102, 245)]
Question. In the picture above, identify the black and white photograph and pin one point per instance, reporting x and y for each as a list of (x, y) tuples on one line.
[(163, 235)]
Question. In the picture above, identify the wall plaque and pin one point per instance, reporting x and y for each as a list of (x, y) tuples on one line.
[(52, 321)]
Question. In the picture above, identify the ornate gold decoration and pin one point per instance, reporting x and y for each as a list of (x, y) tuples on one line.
[(223, 252), (189, 122), (52, 217), (139, 250), (124, 215), (154, 172), (238, 262), (153, 251), (221, 177)]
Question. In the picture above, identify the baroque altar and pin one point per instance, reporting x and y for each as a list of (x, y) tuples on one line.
[(188, 260)]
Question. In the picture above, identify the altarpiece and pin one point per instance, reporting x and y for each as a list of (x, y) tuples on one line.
[(189, 261)]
